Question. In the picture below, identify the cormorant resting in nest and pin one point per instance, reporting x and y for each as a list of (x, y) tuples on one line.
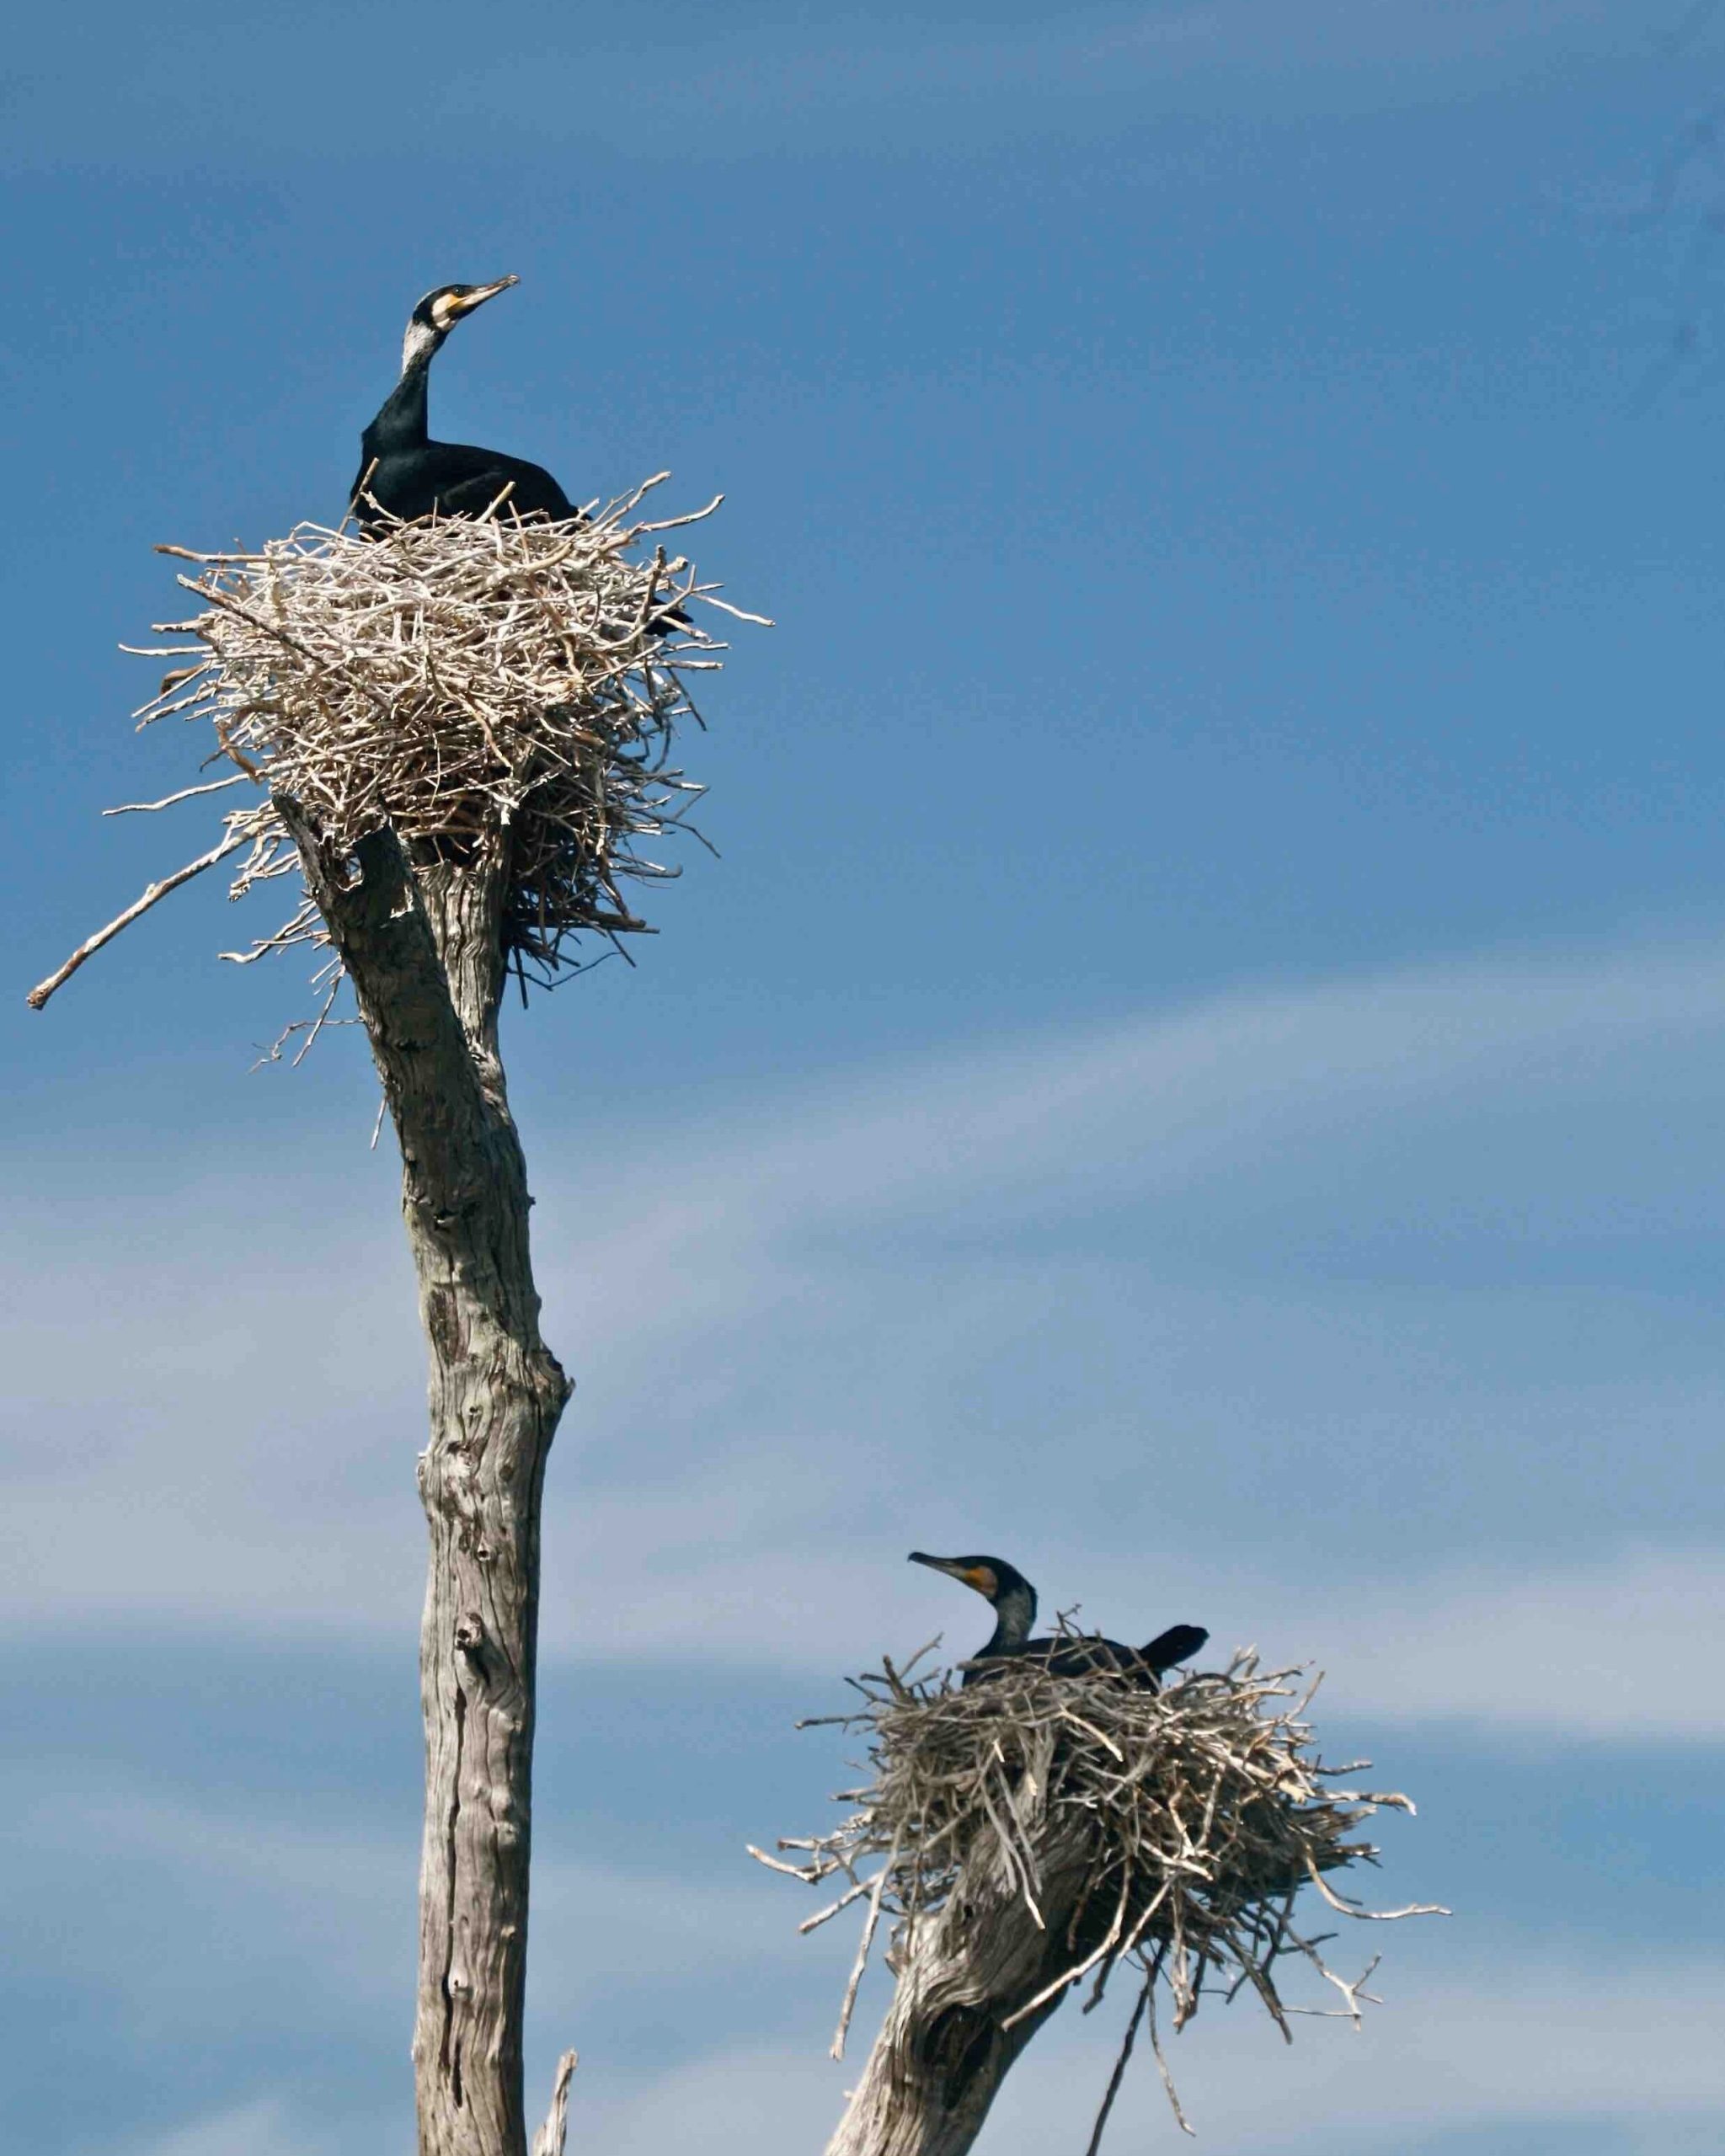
[(1014, 1601), (405, 474)]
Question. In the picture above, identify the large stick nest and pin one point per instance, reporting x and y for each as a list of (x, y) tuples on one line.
[(1195, 1816), (501, 692)]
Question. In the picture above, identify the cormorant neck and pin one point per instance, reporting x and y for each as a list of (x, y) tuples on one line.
[(1014, 1613), (401, 420)]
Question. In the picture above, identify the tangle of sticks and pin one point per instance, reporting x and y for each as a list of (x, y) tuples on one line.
[(500, 691), (1199, 1815)]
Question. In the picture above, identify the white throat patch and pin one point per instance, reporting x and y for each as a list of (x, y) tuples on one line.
[(420, 341)]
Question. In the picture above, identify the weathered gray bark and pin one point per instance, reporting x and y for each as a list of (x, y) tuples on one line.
[(422, 946), (943, 2053)]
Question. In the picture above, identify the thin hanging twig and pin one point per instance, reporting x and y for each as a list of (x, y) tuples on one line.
[(1121, 2061)]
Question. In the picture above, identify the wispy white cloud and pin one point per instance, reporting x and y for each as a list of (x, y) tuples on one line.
[(213, 1926), (1020, 1298), (1622, 1649), (265, 2127), (1550, 2042), (181, 1915), (1486, 2032), (1483, 2025)]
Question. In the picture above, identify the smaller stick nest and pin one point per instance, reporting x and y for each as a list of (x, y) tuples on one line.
[(1197, 1815), (500, 691)]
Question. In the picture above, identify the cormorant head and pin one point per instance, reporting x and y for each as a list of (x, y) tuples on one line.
[(993, 1578), (439, 312)]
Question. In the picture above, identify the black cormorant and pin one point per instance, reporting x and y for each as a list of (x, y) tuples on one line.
[(1014, 1601), (403, 473)]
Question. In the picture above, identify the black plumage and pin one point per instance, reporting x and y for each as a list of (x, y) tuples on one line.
[(1013, 1600), (403, 474)]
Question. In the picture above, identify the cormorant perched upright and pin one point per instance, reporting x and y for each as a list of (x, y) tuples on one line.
[(403, 472), (1014, 1601)]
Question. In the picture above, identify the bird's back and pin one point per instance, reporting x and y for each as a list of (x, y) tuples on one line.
[(452, 479), (1084, 1654)]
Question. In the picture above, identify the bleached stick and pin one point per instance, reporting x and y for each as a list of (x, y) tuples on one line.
[(157, 891)]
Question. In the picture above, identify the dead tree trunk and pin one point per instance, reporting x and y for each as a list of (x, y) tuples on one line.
[(945, 2049), (422, 946)]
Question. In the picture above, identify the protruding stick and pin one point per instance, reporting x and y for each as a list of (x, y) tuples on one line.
[(169, 800), (87, 949)]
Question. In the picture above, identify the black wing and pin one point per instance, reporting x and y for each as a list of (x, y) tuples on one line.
[(454, 479), (484, 473)]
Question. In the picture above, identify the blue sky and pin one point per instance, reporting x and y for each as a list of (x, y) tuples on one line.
[(1198, 1067)]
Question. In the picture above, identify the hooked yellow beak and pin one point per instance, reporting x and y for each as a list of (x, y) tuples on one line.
[(975, 1576), (478, 298)]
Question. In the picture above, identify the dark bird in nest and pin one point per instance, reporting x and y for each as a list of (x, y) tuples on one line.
[(1014, 1601), (403, 474)]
